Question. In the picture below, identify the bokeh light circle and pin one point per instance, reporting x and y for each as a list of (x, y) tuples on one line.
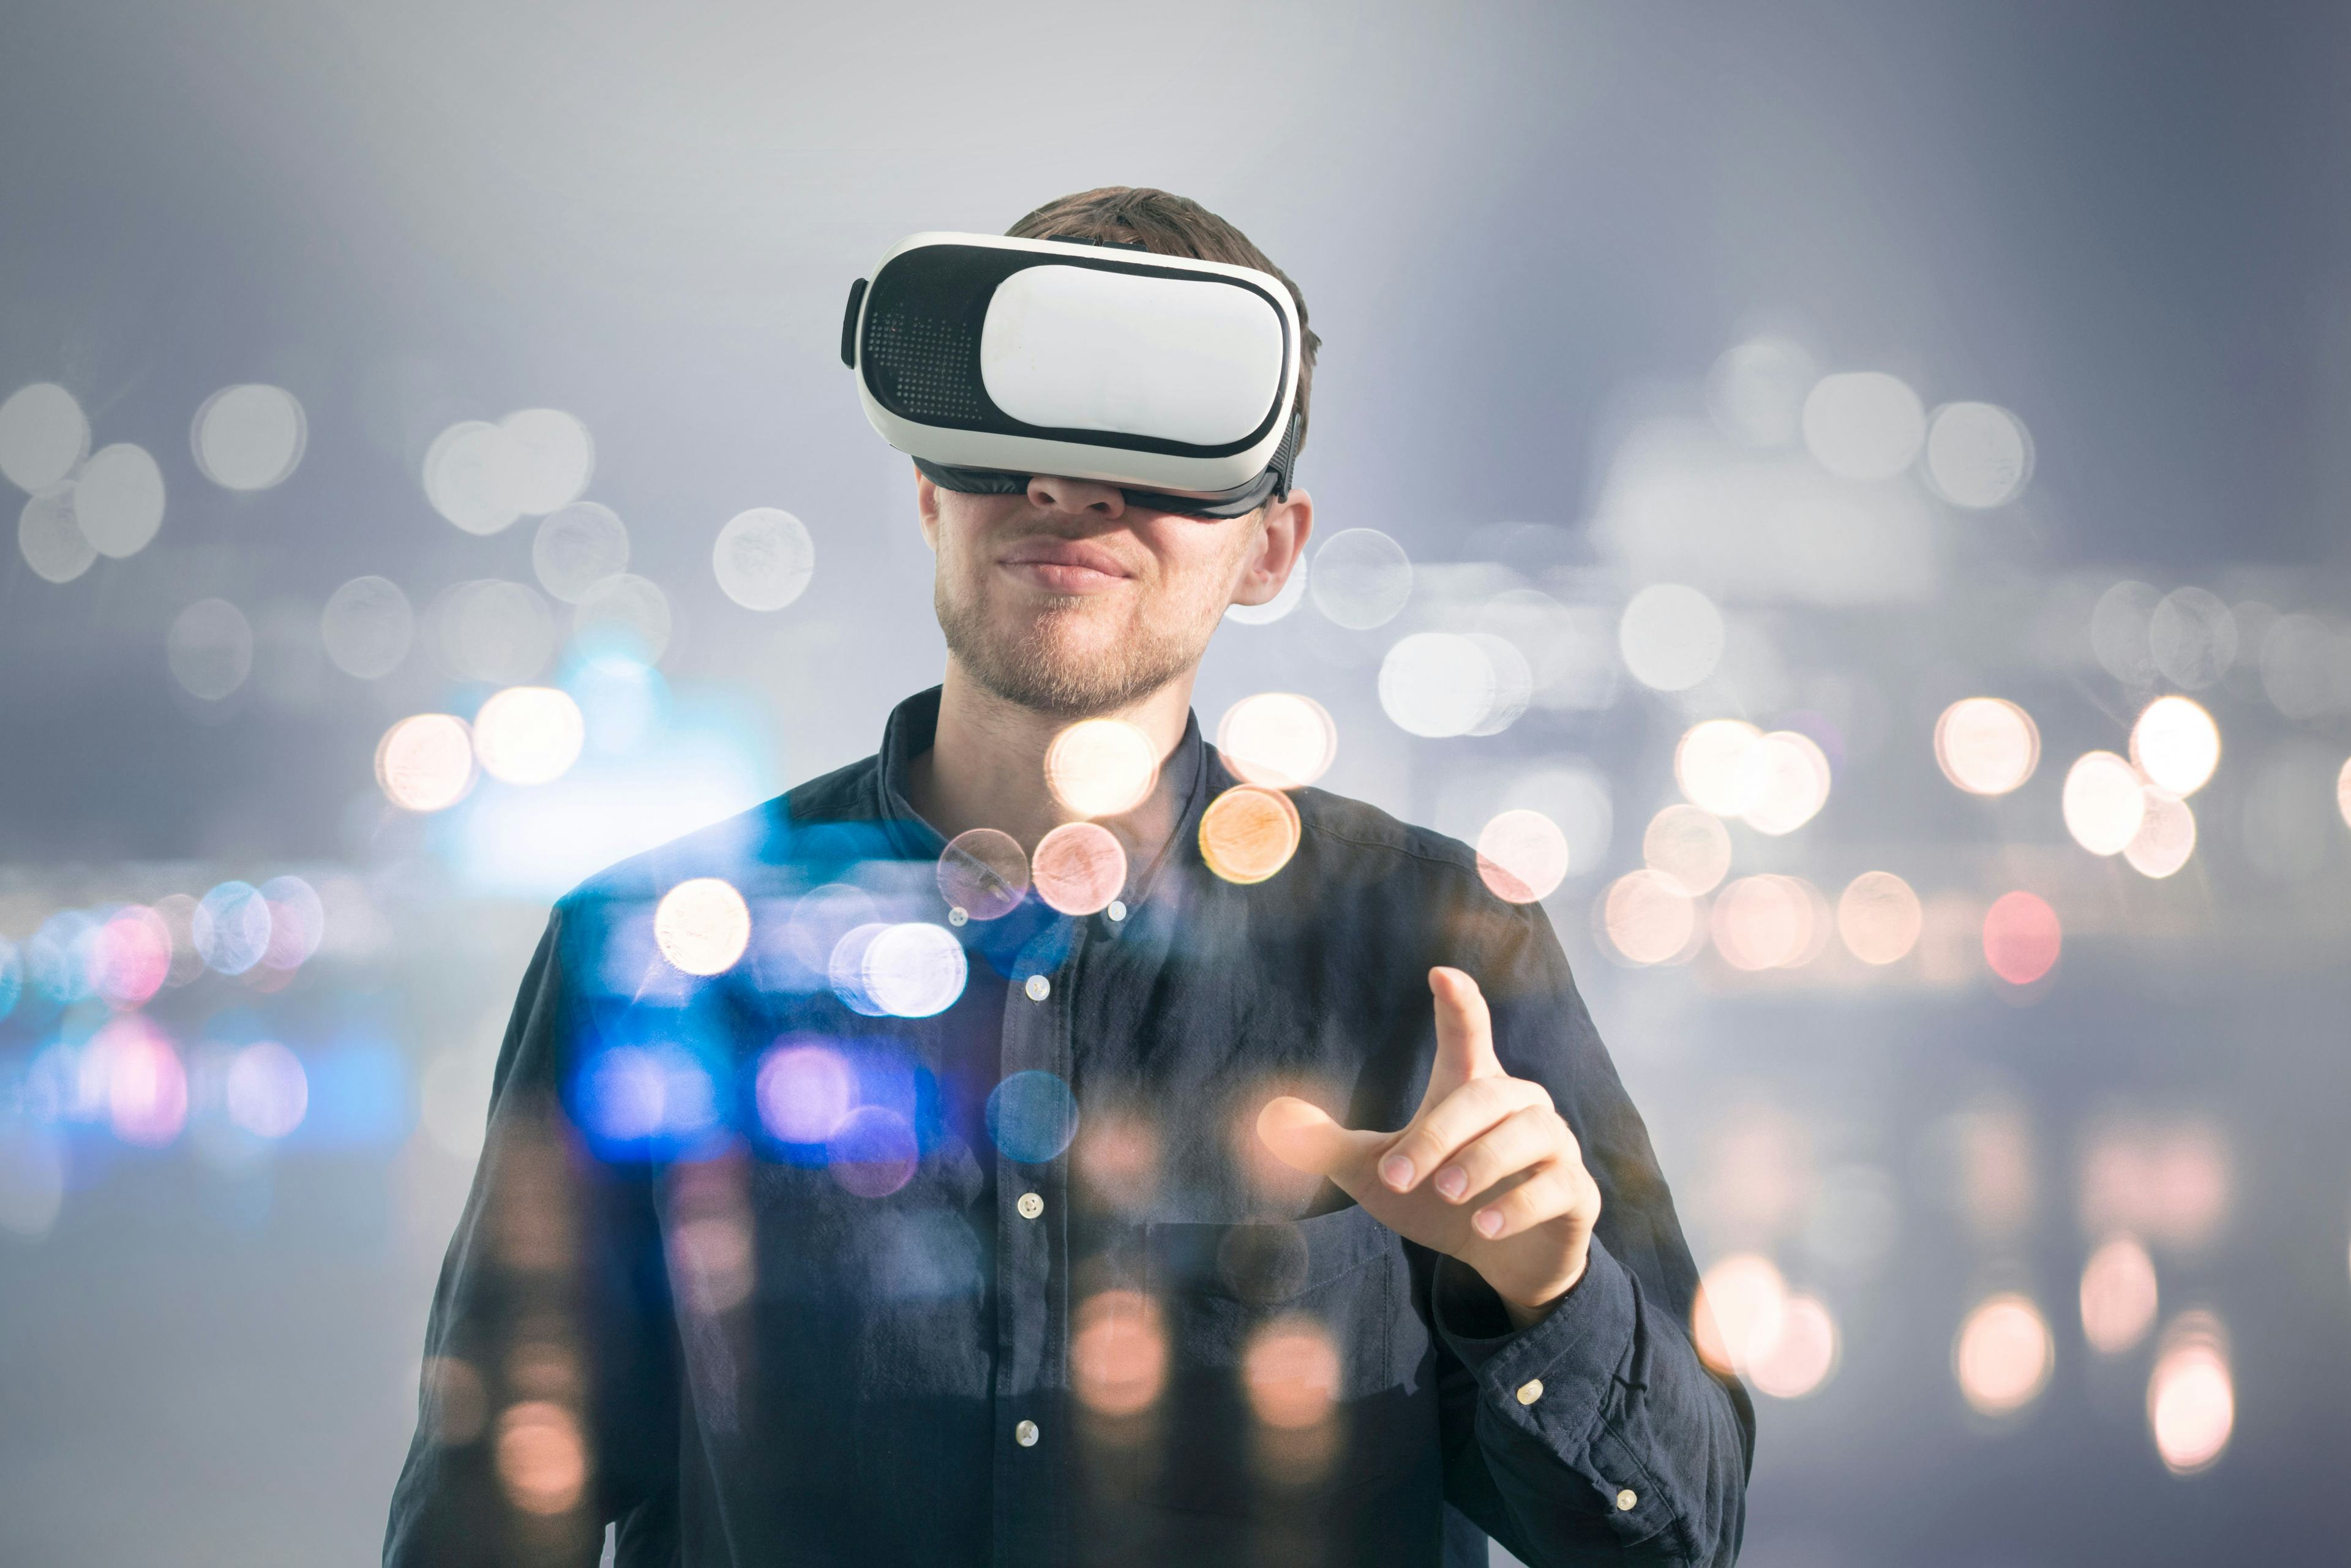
[(984, 872), (366, 627), (2165, 837), (1032, 1116), (248, 437), (764, 559), (873, 1152), (1291, 1370), (539, 1457), (1978, 454), (267, 1093), (2192, 635), (119, 500), (1783, 781), (2119, 1295), (1118, 1352), (1521, 856), (298, 922), (1863, 425), (210, 649), (2191, 1396), (578, 546), (231, 927), (473, 476), (1762, 922), (50, 538), (1362, 579), (1646, 917), (1880, 917), (702, 925), (552, 459), (425, 762), (2104, 802), (1710, 765), (1801, 1356), (529, 735), (43, 436), (2003, 1354), (1100, 766), (804, 1091), (1987, 746), (625, 612), (2176, 745), (1671, 636), (132, 957), (1740, 1307), (492, 629), (2021, 938), (1278, 739), (1437, 685), (1248, 833), (1079, 868), (1689, 845), (914, 969)]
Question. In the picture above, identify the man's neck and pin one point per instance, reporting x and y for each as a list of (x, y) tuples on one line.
[(985, 768)]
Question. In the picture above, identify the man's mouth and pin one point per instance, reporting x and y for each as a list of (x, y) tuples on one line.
[(1064, 565)]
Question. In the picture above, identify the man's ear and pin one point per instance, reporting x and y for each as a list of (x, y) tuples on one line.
[(926, 509), (1280, 544)]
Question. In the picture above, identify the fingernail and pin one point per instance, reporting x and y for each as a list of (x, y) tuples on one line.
[(1452, 1181), (1396, 1171), (1488, 1222)]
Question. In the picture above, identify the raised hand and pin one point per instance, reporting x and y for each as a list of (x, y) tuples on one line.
[(1486, 1171)]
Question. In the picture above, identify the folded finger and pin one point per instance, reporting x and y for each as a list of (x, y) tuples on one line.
[(1551, 1192), (1531, 1134), (1466, 1113)]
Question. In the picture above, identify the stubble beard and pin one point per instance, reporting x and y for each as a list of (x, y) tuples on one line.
[(1036, 669)]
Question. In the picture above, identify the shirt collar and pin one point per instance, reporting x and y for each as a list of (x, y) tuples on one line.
[(914, 725)]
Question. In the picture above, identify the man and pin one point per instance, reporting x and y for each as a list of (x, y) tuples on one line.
[(828, 1216)]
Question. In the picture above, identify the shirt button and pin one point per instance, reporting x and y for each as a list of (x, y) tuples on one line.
[(1530, 1391), (1039, 987), (958, 916), (1625, 1500), (1117, 910), (1025, 1434), (1031, 1206)]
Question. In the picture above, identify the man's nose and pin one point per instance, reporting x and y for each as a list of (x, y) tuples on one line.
[(1075, 497)]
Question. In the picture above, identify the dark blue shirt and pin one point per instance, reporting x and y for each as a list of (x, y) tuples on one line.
[(770, 1272)]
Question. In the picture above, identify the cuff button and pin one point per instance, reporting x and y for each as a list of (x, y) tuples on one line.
[(1625, 1500), (1530, 1391)]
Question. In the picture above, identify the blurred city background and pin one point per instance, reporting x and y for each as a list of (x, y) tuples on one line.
[(1871, 479)]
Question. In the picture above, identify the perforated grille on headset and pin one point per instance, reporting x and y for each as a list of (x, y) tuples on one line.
[(923, 364)]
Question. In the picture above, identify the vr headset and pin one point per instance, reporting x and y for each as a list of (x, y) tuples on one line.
[(990, 359)]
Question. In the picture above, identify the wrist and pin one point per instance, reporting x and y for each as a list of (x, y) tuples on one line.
[(1525, 1313)]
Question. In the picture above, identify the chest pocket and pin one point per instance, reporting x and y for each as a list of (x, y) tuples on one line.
[(1293, 1359)]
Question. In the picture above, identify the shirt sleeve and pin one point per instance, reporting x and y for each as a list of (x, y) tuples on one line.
[(547, 1408), (1595, 1433)]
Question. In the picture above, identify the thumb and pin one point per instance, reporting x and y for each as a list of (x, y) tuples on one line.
[(1465, 1034), (1303, 1136)]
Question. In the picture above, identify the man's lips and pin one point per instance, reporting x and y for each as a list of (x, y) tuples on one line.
[(1064, 565)]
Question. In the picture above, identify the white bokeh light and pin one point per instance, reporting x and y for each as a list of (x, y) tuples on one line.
[(248, 437), (914, 969), (49, 537), (2176, 745), (1978, 454), (764, 559), (578, 546), (552, 459), (2104, 802), (702, 925), (529, 735), (210, 649), (366, 627), (119, 500), (1278, 739), (1362, 579), (43, 436), (1863, 425), (1437, 685), (1671, 636)]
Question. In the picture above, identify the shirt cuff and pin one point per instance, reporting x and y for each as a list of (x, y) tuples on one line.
[(1549, 1379)]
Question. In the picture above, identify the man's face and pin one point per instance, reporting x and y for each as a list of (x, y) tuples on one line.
[(1068, 602)]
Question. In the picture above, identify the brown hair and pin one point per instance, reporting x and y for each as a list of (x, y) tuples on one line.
[(1167, 225)]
